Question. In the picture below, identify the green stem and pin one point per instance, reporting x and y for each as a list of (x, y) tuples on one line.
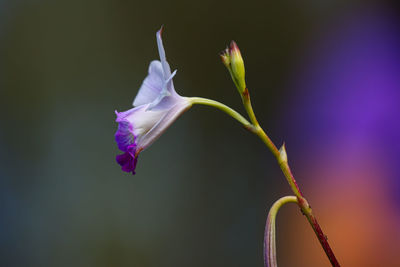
[(231, 112), (270, 235), (249, 109), (283, 164)]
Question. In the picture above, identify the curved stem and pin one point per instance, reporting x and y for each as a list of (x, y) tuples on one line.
[(231, 112), (270, 235)]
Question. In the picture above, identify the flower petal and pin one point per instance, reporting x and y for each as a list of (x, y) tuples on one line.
[(164, 92), (164, 63), (124, 136), (152, 85), (128, 160), (134, 123), (163, 58), (182, 104)]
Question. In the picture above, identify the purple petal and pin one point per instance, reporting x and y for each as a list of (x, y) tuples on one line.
[(128, 160), (124, 135)]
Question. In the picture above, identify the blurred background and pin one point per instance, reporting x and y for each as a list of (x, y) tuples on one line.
[(324, 77)]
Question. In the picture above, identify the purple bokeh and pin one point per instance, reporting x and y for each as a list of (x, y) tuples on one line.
[(348, 92)]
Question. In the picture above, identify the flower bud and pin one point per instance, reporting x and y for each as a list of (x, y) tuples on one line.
[(282, 154), (226, 58), (233, 61), (237, 66)]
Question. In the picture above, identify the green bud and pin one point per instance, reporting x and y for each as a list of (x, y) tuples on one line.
[(237, 66), (226, 58), (233, 61), (282, 155)]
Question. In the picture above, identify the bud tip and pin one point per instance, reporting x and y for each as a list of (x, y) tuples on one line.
[(234, 47), (282, 154)]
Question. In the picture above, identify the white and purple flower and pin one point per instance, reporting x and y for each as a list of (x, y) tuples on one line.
[(156, 107)]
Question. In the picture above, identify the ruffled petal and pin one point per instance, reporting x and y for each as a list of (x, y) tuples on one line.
[(124, 135), (128, 160), (152, 85)]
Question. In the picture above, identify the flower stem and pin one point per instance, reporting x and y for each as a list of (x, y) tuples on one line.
[(269, 234), (231, 112), (249, 109)]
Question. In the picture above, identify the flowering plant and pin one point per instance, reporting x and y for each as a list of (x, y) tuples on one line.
[(157, 106)]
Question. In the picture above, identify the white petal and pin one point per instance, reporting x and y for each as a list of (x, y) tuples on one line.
[(151, 86), (142, 120), (163, 58), (164, 92), (165, 66), (168, 118), (166, 103)]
